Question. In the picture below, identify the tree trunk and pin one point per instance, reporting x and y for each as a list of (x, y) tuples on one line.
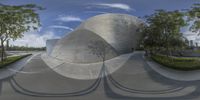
[(2, 50)]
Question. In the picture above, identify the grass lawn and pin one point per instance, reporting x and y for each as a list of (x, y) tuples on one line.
[(179, 63), (197, 51), (11, 60)]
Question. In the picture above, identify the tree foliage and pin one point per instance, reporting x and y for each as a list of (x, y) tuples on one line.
[(163, 30), (194, 16), (15, 20), (23, 48)]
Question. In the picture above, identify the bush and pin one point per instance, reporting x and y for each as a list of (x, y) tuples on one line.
[(178, 63), (11, 60)]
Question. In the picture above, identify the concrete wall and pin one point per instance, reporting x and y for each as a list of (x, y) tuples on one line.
[(75, 48), (117, 31), (50, 45)]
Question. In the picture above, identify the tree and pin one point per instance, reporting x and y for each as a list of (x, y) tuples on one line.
[(15, 20), (151, 39), (163, 29), (194, 16)]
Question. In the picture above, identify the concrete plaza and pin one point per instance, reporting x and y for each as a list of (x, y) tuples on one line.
[(135, 80)]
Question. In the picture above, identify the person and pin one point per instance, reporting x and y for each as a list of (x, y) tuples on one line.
[(132, 49)]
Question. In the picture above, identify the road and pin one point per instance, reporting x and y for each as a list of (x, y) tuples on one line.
[(135, 80)]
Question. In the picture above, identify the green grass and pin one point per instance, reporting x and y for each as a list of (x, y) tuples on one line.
[(178, 63), (197, 51), (11, 60)]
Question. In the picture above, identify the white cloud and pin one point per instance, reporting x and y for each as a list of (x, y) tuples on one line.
[(33, 39), (39, 29), (69, 18), (62, 27), (114, 5), (192, 36), (101, 12)]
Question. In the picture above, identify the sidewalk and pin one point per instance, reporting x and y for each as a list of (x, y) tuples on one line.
[(84, 71), (9, 70)]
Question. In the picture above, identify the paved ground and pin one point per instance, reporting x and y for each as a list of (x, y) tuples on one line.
[(84, 71), (14, 68), (133, 81)]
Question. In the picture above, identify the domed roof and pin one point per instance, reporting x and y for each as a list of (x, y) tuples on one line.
[(117, 31), (75, 47)]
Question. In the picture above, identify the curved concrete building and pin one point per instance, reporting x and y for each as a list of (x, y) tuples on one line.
[(117, 31), (50, 45), (78, 55), (74, 48)]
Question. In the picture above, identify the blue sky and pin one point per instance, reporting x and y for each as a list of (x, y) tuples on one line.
[(63, 16)]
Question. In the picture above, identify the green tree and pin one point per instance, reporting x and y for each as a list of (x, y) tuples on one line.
[(194, 16), (15, 20), (163, 30)]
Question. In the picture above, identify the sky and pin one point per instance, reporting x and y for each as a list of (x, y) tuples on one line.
[(60, 17)]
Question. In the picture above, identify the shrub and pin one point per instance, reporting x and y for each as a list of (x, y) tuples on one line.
[(178, 63)]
